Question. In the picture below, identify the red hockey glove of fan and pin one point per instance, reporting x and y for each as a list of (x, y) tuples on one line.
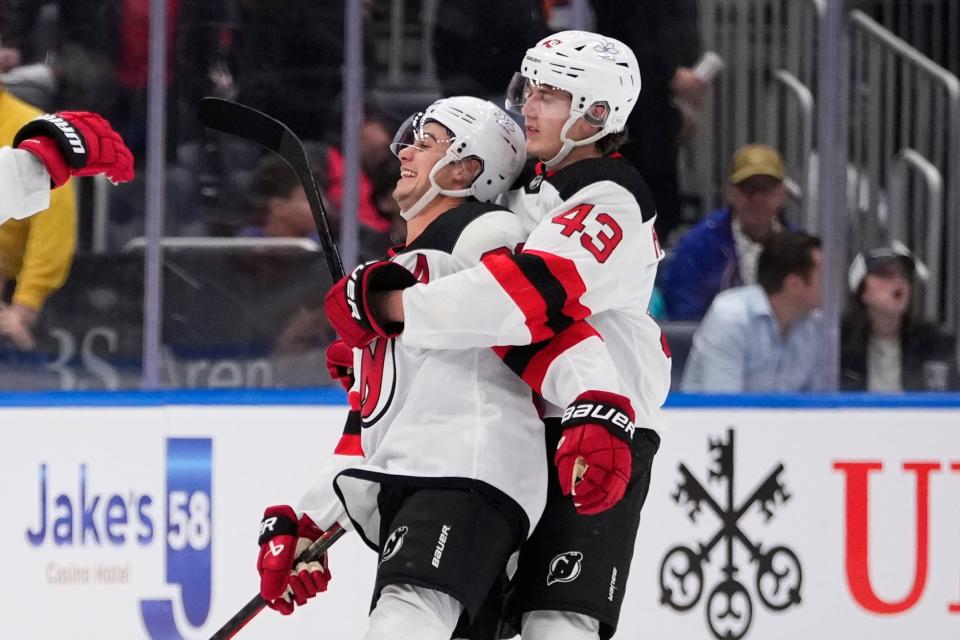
[(282, 539), (340, 363), (348, 307), (76, 143), (594, 457)]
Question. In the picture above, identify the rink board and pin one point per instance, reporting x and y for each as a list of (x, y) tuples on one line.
[(133, 518)]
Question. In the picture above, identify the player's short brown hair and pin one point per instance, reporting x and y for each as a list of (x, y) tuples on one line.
[(612, 142)]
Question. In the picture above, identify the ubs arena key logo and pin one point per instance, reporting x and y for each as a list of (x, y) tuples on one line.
[(81, 518)]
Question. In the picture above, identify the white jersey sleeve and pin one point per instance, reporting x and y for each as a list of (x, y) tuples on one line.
[(499, 229), (24, 184), (593, 252), (562, 368)]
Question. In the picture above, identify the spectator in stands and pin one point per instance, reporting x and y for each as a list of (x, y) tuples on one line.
[(377, 213), (722, 251), (763, 337), (279, 203), (35, 253), (884, 345), (281, 210), (663, 35)]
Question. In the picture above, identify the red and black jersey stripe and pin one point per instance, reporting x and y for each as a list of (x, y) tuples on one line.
[(349, 444), (531, 362), (546, 288)]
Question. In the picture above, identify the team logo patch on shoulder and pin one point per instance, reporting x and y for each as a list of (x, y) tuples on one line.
[(565, 567), (393, 544), (535, 184)]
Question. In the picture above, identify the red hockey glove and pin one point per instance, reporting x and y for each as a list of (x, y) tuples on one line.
[(347, 303), (594, 457), (282, 539), (76, 143), (340, 363)]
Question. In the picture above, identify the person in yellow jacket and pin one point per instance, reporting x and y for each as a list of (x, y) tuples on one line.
[(36, 251)]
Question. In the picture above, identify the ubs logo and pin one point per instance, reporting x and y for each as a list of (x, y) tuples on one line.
[(778, 576)]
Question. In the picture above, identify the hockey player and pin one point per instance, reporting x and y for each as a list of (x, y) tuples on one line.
[(48, 150), (441, 467), (592, 253)]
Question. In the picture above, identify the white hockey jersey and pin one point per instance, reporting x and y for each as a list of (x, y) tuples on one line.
[(24, 184), (592, 253), (438, 418)]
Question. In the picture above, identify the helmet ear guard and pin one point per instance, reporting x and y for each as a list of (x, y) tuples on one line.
[(464, 163), (597, 113)]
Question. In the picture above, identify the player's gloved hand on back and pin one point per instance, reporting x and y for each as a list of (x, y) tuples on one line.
[(282, 539), (594, 457), (340, 363), (348, 302), (76, 143)]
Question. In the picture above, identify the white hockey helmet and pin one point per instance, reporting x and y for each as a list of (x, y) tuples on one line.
[(601, 74), (481, 130)]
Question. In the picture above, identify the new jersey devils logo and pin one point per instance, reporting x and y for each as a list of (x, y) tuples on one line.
[(378, 380), (393, 544), (565, 567)]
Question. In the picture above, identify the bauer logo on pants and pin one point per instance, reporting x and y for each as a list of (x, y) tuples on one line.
[(565, 567), (392, 546), (778, 575)]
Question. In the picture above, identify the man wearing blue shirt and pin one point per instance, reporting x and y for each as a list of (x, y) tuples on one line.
[(763, 337)]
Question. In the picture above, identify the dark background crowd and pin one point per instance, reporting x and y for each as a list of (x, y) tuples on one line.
[(287, 59)]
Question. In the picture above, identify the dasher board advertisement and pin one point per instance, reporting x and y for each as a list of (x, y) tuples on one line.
[(141, 521)]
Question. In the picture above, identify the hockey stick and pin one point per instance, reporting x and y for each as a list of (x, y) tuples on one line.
[(255, 126), (257, 603)]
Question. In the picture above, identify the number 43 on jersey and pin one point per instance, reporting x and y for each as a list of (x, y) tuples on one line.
[(601, 245)]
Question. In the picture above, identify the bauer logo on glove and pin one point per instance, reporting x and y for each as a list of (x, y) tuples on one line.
[(593, 459), (352, 291), (585, 412)]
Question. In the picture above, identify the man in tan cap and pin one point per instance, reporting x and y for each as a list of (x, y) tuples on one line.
[(722, 250)]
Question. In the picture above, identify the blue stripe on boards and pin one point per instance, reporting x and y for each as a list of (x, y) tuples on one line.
[(335, 397)]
